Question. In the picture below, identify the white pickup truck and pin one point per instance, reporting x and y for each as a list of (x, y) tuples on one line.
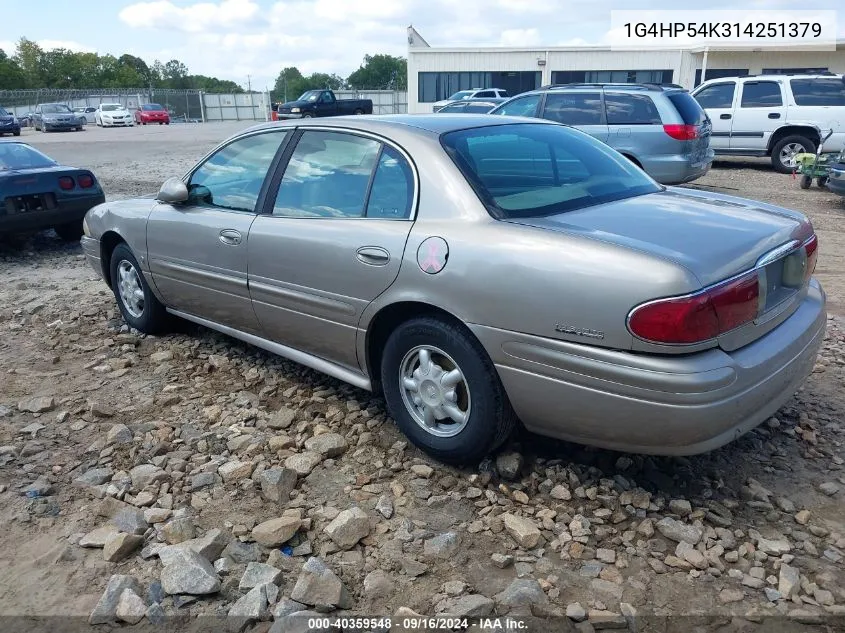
[(774, 115)]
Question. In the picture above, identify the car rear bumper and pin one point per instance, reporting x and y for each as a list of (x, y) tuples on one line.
[(66, 211), (662, 405), (60, 126), (836, 180), (676, 169)]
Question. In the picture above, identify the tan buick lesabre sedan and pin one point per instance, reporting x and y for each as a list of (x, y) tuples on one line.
[(480, 271)]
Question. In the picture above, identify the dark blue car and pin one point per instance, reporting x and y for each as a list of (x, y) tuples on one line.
[(36, 192), (8, 123)]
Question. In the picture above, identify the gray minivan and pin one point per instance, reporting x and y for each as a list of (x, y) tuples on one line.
[(662, 129)]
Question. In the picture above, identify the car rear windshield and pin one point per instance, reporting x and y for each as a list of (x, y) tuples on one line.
[(528, 169), (690, 110), (151, 106), (20, 156)]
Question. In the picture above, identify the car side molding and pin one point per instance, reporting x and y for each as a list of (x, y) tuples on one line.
[(356, 379)]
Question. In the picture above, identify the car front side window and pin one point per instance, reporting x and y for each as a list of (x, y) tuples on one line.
[(524, 106), (232, 177)]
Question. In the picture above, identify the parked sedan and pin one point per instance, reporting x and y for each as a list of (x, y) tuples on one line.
[(49, 117), (152, 113), (478, 270), (36, 192), (112, 115), (8, 123)]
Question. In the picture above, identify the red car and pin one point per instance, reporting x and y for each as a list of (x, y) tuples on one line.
[(152, 113)]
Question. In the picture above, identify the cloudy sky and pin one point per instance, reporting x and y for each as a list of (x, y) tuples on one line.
[(231, 39)]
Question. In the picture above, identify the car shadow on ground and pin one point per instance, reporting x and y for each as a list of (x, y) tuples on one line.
[(20, 246)]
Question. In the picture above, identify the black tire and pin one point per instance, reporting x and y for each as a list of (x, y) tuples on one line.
[(307, 115), (805, 182), (491, 417), (70, 232), (358, 111), (153, 318), (16, 133), (806, 144), (821, 181)]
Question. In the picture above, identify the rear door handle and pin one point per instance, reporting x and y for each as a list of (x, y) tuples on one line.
[(373, 255), (724, 116), (774, 115), (230, 237)]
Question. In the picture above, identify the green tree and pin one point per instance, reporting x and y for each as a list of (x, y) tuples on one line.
[(289, 84), (28, 57), (11, 77), (381, 72)]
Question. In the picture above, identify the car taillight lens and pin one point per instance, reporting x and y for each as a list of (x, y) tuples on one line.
[(681, 132), (85, 181), (699, 317), (66, 183), (811, 247)]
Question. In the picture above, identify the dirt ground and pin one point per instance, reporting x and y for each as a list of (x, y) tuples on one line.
[(439, 540)]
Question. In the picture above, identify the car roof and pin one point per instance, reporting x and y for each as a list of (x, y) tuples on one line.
[(772, 77), (425, 124)]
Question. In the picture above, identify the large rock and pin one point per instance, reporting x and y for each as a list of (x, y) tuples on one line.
[(209, 546), (327, 444), (259, 574), (119, 434), (186, 572), (178, 530), (303, 463), (317, 585), (274, 532), (282, 419), (789, 581), (106, 607), (678, 531), (98, 536), (298, 622), (379, 584), (38, 404), (130, 520), (277, 484), (348, 527), (145, 474), (509, 464), (251, 607), (235, 471), (522, 530), (522, 592), (131, 608), (444, 546), (93, 477), (120, 545), (470, 606)]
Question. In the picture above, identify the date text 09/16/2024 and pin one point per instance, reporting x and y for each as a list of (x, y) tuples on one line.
[(420, 623)]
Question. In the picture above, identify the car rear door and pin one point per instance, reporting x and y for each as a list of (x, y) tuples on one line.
[(582, 109), (330, 240), (198, 249), (718, 99), (760, 110), (635, 127)]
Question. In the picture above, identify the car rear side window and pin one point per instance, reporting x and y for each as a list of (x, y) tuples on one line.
[(631, 109), (392, 191), (574, 108), (528, 170), (327, 176), (232, 177), (818, 92), (761, 94), (717, 95), (690, 110)]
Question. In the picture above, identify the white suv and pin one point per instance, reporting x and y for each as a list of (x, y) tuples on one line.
[(475, 93), (774, 115)]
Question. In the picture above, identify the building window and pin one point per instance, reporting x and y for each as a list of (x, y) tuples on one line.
[(612, 76), (794, 71), (440, 86), (719, 73)]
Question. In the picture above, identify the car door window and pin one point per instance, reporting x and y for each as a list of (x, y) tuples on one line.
[(327, 176), (524, 106), (485, 94), (326, 98), (717, 95), (761, 94), (574, 108), (392, 191), (631, 109), (233, 176)]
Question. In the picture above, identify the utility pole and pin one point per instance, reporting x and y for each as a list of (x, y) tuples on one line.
[(249, 83)]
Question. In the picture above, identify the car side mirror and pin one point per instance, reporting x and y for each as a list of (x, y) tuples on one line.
[(172, 191)]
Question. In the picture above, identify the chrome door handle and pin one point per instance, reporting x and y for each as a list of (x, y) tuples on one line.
[(231, 237), (373, 255)]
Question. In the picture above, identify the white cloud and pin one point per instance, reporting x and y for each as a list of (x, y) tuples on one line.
[(520, 37), (194, 18), (48, 45)]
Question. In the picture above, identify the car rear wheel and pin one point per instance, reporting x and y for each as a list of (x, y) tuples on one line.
[(443, 391), (138, 305), (16, 133), (69, 232), (785, 150), (307, 115), (358, 111)]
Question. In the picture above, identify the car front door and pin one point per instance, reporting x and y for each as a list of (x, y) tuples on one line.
[(758, 114), (718, 101), (326, 104), (584, 110), (198, 249), (330, 241), (36, 117)]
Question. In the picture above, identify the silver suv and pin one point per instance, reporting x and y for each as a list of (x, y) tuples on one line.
[(660, 128)]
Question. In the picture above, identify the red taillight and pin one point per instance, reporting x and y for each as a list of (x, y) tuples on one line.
[(681, 132), (85, 181), (66, 183), (811, 247), (699, 317)]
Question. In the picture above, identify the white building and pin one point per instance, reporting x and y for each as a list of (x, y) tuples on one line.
[(436, 73)]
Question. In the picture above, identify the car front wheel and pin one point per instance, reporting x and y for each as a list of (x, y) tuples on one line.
[(786, 149), (443, 391), (138, 305)]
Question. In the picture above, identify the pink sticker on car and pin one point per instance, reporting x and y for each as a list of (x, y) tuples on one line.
[(432, 255)]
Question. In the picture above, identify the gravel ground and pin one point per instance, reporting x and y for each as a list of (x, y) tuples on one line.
[(190, 475)]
